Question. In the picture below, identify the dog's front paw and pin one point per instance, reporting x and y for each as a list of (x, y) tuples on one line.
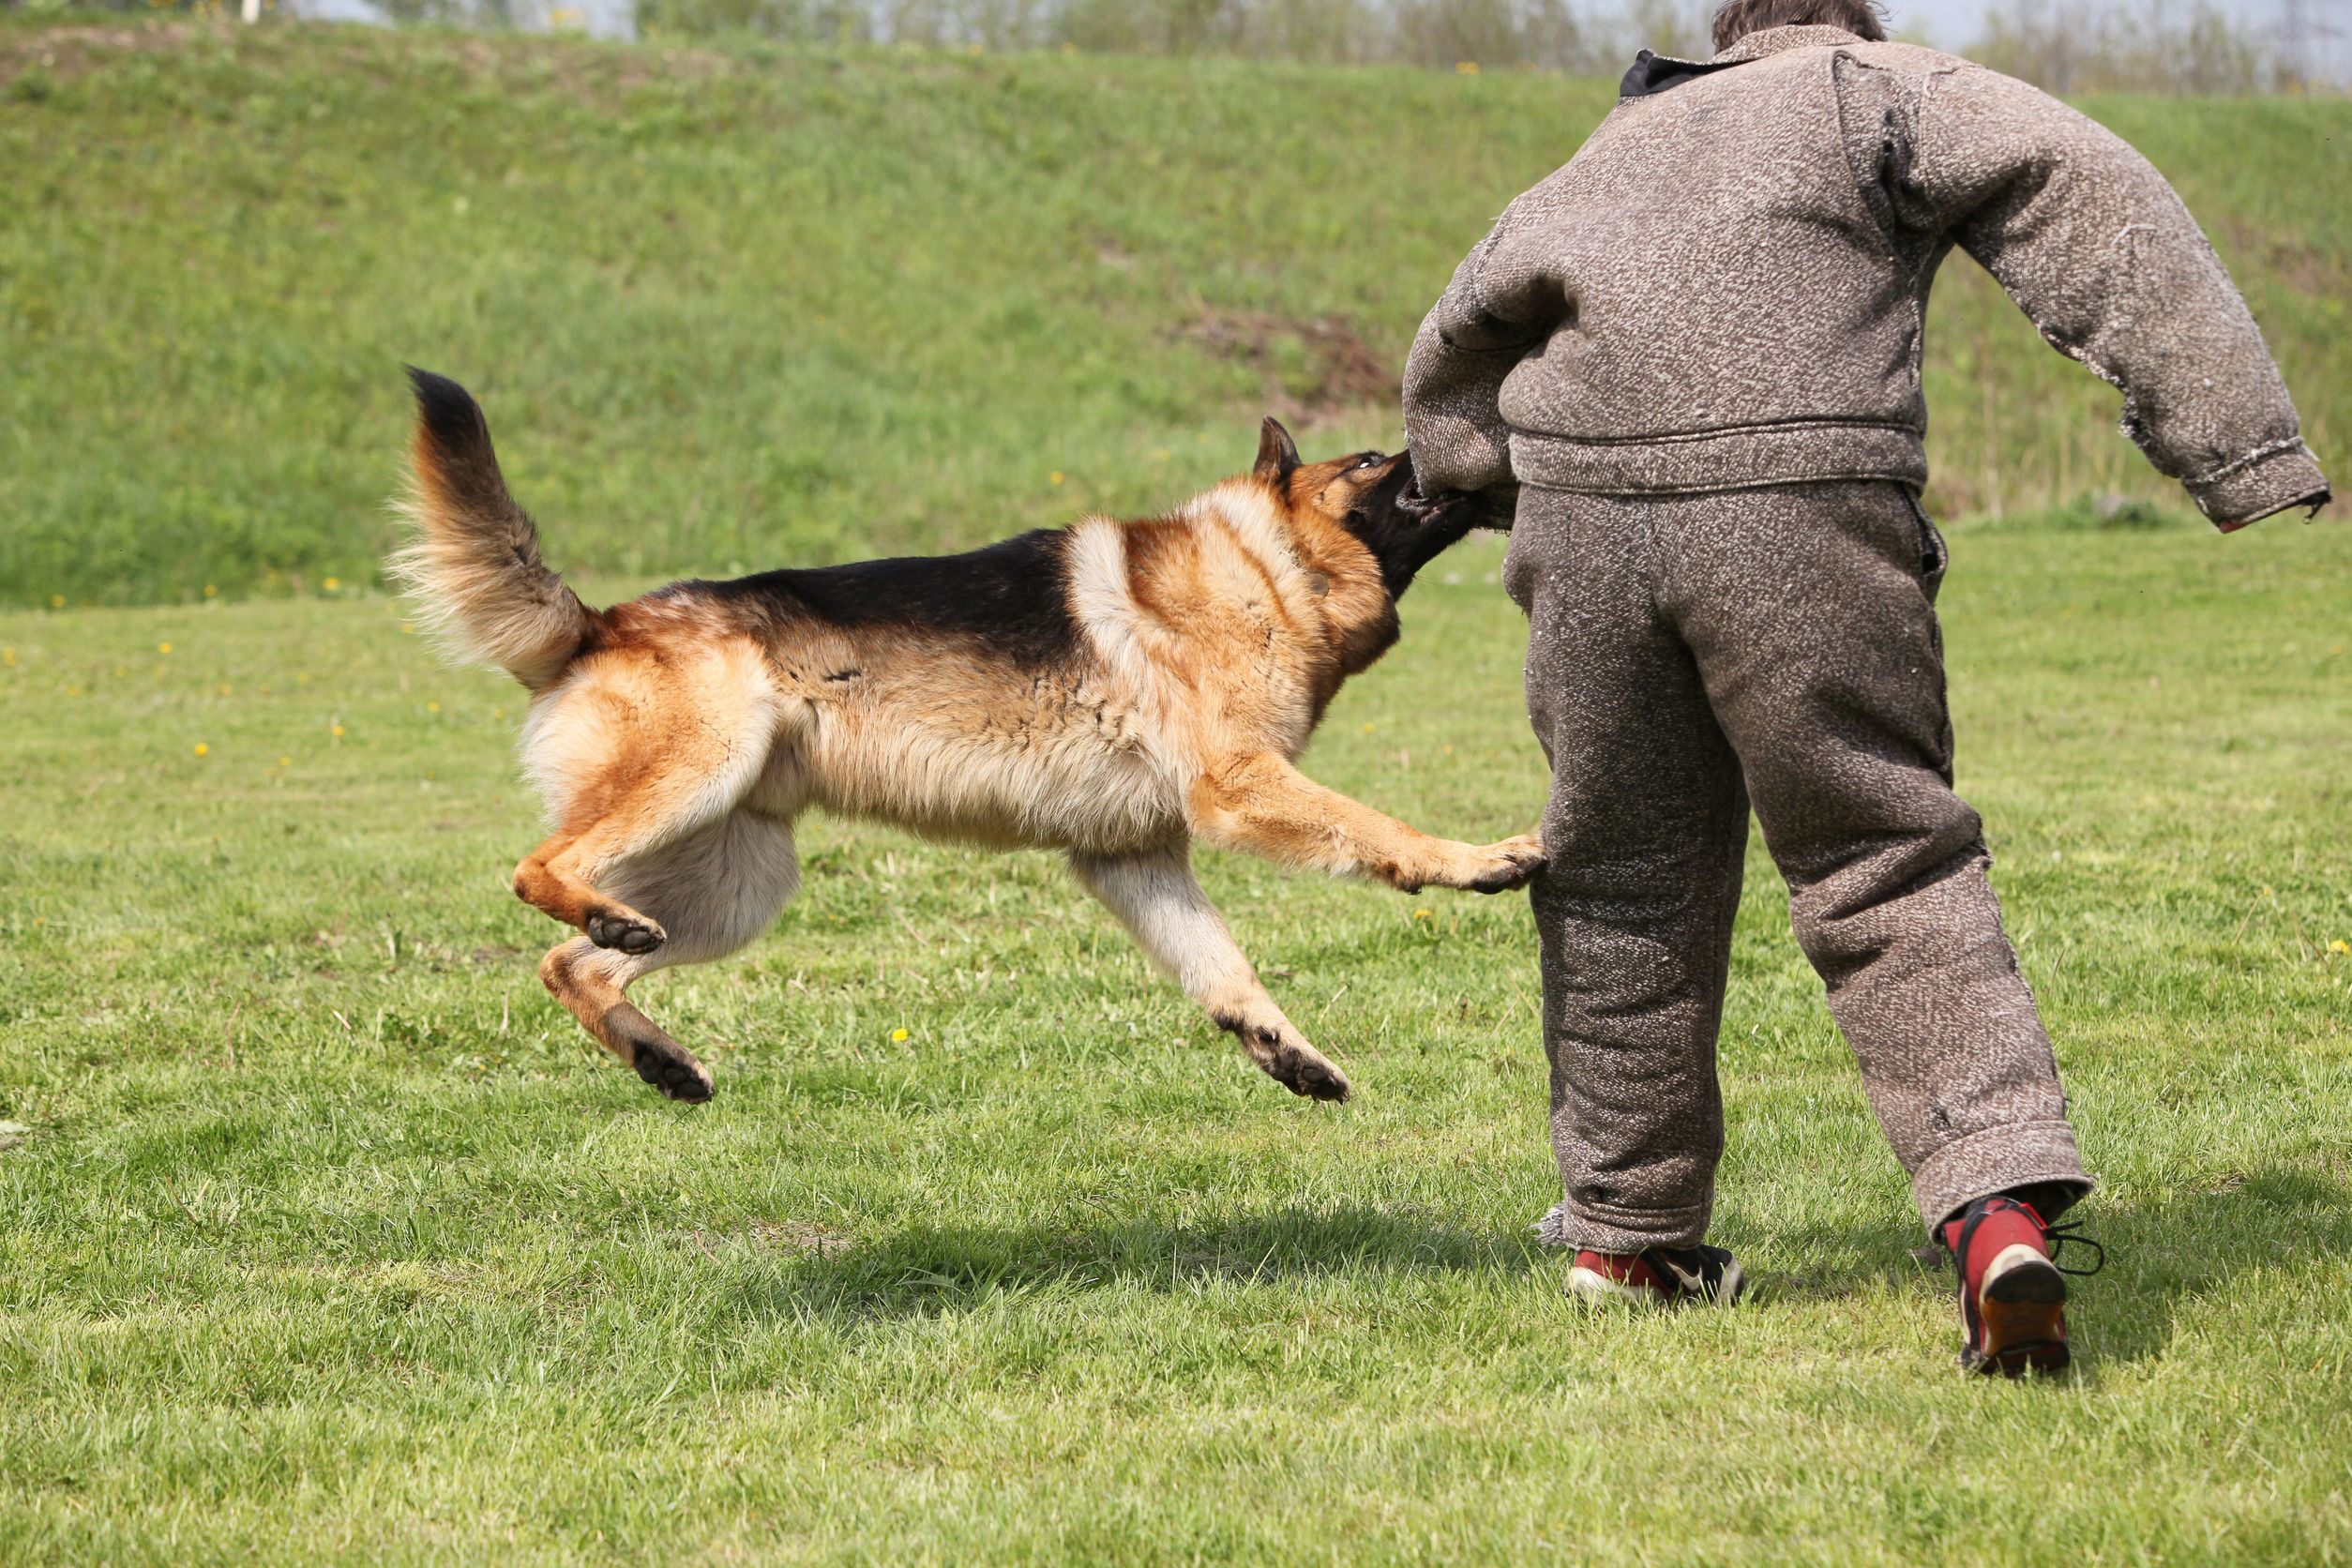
[(1500, 867), (629, 933)]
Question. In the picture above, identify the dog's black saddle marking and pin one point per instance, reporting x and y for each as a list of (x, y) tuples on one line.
[(1014, 597)]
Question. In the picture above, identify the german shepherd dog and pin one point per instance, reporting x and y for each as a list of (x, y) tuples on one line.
[(1112, 690)]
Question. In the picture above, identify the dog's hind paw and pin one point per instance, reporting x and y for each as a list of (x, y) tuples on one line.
[(628, 933), (674, 1071)]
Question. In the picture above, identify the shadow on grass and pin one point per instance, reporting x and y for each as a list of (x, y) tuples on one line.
[(2162, 1255), (931, 1267)]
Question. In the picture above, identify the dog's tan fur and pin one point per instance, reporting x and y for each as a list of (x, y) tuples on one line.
[(677, 738)]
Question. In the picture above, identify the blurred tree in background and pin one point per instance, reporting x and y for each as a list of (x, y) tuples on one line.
[(2066, 46), (2078, 46), (1547, 35), (2063, 45)]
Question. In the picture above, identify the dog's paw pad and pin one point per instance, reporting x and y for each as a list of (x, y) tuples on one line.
[(625, 934), (678, 1076), (1309, 1077)]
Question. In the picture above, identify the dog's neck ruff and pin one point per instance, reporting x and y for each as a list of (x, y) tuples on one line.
[(1244, 507)]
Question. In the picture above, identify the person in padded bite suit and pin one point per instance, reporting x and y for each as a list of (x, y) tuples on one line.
[(1690, 359)]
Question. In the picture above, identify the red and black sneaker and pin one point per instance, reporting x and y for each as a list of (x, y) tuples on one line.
[(1659, 1276), (2012, 1291)]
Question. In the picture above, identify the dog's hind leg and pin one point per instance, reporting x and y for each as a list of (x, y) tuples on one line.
[(638, 768), (1156, 898), (569, 877), (713, 891)]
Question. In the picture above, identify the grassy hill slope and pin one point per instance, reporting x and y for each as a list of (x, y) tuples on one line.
[(741, 307)]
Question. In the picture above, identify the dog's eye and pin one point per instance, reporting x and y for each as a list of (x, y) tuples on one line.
[(1372, 459)]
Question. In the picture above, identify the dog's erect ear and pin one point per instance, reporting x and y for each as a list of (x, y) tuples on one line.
[(1277, 454)]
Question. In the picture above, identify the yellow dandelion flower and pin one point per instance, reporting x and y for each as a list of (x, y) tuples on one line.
[(2340, 945), (408, 628), (8, 656), (1466, 68), (1421, 915), (227, 691), (285, 762), (211, 592), (337, 731), (331, 583), (56, 601), (202, 750), (1448, 751), (1368, 727), (899, 1036), (1056, 476), (163, 647), (433, 707)]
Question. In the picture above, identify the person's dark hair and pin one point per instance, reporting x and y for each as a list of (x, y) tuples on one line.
[(1736, 19)]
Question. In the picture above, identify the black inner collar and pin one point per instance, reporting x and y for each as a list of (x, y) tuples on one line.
[(1652, 73)]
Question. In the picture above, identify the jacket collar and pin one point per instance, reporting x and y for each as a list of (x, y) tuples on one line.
[(1653, 73), (1779, 40)]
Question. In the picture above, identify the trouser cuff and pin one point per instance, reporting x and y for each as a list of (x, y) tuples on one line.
[(1622, 1230), (2022, 1154)]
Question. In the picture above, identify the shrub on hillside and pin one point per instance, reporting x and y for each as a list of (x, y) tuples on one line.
[(2066, 46), (2089, 46)]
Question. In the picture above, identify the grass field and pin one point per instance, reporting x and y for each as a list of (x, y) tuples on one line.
[(326, 1237)]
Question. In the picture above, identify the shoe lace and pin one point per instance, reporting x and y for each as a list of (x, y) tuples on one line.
[(2060, 1236)]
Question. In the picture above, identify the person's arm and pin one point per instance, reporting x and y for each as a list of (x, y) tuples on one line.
[(2101, 255), (1487, 319)]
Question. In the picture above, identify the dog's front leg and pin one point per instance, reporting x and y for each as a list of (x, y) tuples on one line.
[(1259, 803), (1155, 896)]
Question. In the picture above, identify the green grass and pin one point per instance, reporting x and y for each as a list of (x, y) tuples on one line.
[(326, 1237), (736, 307), (330, 1238)]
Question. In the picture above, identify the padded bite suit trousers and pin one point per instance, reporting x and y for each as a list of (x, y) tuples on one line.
[(1692, 655)]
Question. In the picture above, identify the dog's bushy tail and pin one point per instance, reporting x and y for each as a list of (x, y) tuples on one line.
[(473, 568)]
